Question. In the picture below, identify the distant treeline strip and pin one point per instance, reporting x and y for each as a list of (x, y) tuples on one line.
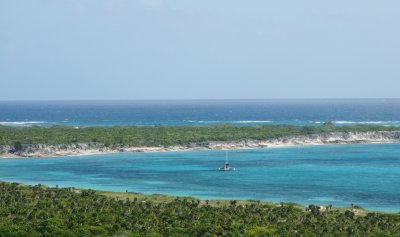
[(137, 136)]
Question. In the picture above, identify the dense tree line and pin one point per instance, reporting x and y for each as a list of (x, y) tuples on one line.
[(41, 211), (164, 135)]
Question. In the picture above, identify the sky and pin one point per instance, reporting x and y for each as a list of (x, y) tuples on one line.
[(208, 49)]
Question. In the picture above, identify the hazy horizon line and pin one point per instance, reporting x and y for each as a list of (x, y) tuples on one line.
[(229, 99)]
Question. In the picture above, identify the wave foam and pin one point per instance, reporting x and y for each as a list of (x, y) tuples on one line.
[(366, 122), (221, 121), (253, 121), (21, 123)]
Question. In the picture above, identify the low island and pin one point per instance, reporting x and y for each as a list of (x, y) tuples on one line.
[(53, 211), (65, 141)]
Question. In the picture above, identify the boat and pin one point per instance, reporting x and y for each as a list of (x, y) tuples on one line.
[(226, 167)]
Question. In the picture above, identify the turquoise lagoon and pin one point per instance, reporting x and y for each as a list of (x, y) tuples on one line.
[(365, 174)]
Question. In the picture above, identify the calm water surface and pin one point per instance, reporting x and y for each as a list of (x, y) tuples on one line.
[(366, 175)]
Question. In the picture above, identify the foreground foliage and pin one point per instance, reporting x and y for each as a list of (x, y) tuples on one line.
[(136, 136), (40, 211)]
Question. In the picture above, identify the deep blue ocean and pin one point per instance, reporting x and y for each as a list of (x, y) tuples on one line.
[(366, 175), (201, 112)]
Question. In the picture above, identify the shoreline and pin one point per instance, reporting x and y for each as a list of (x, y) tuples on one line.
[(80, 149), (160, 197)]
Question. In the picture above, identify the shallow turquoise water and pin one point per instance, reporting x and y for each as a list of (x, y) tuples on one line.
[(366, 175)]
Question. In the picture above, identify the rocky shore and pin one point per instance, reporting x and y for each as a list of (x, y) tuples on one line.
[(73, 149)]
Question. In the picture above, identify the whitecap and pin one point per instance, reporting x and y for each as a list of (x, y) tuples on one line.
[(344, 122), (316, 122), (21, 123), (366, 122), (253, 121)]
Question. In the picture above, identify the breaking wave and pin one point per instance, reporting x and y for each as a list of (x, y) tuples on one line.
[(367, 122), (232, 122), (253, 121), (21, 123)]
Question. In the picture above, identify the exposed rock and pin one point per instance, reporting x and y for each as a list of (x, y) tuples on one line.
[(40, 150)]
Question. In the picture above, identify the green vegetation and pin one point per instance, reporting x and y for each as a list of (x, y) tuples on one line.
[(41, 211), (17, 146), (165, 135)]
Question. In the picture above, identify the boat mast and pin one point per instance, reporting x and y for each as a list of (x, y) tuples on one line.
[(226, 157)]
